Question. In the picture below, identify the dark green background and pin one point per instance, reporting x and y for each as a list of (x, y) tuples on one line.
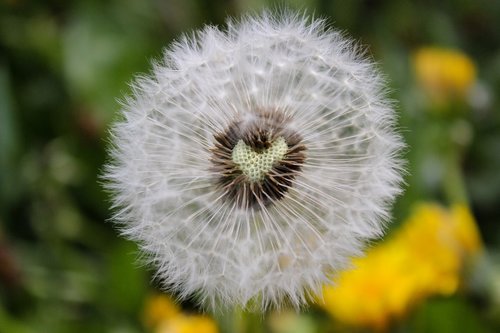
[(64, 65)]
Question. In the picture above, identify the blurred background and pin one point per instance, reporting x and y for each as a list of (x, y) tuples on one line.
[(64, 66)]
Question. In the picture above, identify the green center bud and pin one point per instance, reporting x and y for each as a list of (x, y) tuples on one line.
[(255, 159), (255, 165)]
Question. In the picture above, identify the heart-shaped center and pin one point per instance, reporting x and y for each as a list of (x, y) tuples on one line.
[(255, 165)]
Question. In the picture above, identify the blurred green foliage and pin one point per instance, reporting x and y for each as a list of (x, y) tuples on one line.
[(64, 65)]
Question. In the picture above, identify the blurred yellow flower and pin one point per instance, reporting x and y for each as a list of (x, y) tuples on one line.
[(444, 74), (159, 307), (162, 315), (425, 257), (466, 230), (188, 324)]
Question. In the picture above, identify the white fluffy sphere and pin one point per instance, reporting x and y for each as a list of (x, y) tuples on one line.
[(255, 161)]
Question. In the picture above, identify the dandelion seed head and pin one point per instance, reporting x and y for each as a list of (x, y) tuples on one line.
[(254, 161)]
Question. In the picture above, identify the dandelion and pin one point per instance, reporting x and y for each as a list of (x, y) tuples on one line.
[(255, 161)]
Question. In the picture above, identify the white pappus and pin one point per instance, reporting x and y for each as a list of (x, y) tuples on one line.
[(255, 161)]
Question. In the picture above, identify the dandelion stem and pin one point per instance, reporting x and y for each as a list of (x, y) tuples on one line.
[(233, 321), (454, 183)]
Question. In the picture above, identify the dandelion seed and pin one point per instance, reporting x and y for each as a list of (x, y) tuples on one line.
[(255, 161)]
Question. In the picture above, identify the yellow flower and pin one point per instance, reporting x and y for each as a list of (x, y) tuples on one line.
[(377, 288), (425, 257), (466, 230), (188, 324), (159, 308), (162, 315), (430, 239), (444, 74)]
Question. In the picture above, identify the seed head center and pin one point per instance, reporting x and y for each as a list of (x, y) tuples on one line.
[(256, 159), (255, 165)]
